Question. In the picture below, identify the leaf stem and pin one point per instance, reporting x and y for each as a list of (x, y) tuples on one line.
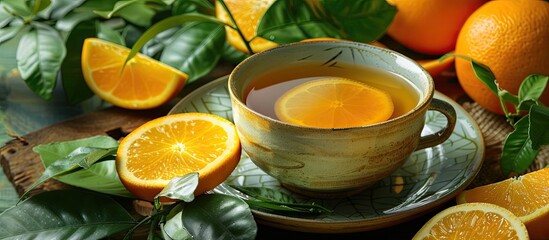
[(235, 27)]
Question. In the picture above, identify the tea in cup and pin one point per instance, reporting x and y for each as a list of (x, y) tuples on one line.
[(329, 119)]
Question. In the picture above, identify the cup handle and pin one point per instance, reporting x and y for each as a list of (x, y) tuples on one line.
[(443, 134)]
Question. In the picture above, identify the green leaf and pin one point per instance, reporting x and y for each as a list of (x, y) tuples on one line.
[(518, 153), (135, 11), (179, 188), (188, 6), (96, 5), (65, 214), (5, 17), (218, 216), (154, 47), (59, 8), (232, 55), (165, 25), (274, 200), (266, 194), (538, 131), (119, 5), (289, 21), (72, 77), (39, 56), (362, 20), (485, 75), (81, 157), (20, 8), (483, 72), (173, 228), (40, 5), (195, 49), (68, 22), (101, 176), (531, 89), (105, 32), (10, 32)]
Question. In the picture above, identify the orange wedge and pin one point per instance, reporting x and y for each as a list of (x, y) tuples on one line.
[(473, 221), (247, 15), (175, 145), (334, 103), (144, 83), (526, 196)]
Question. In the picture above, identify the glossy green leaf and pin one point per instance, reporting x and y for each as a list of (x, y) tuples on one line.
[(267, 194), (40, 5), (359, 20), (155, 46), (166, 24), (72, 77), (5, 17), (65, 214), (518, 152), (232, 55), (81, 157), (105, 32), (134, 11), (195, 49), (289, 21), (217, 216), (118, 6), (95, 5), (179, 188), (69, 21), (59, 8), (39, 56), (173, 228), (18, 7), (539, 131), (532, 88), (273, 200), (188, 6), (101, 176), (485, 75), (8, 33)]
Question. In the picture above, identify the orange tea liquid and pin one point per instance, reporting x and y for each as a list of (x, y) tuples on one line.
[(263, 91)]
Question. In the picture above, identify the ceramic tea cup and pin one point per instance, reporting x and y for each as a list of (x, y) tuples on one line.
[(334, 162)]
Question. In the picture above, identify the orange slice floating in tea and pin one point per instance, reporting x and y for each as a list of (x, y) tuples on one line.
[(334, 102)]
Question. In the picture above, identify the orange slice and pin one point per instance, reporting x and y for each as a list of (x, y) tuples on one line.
[(175, 145), (247, 15), (145, 82), (473, 221), (334, 102), (526, 196)]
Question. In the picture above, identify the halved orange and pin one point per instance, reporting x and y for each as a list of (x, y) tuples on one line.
[(175, 145), (526, 196), (473, 221), (247, 15), (144, 83), (334, 102)]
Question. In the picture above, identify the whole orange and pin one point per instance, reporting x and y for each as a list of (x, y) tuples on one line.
[(511, 37), (430, 26)]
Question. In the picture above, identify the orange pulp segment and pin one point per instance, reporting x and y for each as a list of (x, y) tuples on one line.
[(526, 196), (144, 83), (334, 102), (175, 145), (473, 221)]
